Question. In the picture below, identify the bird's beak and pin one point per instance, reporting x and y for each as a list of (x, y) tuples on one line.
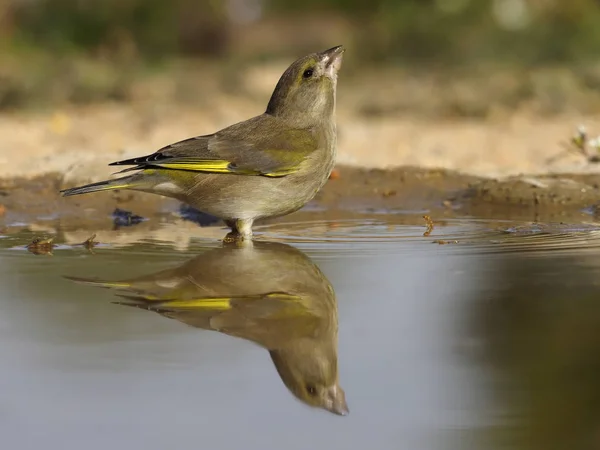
[(332, 60), (336, 401)]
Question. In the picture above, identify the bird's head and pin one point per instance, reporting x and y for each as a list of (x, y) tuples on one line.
[(305, 92), (309, 371)]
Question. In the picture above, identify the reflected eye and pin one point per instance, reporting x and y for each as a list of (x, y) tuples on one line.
[(311, 389), (307, 73)]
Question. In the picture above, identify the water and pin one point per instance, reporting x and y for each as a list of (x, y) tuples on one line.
[(490, 341)]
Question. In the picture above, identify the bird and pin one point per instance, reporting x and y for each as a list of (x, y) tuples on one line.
[(267, 166), (265, 292)]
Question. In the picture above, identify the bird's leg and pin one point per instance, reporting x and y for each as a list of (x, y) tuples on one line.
[(232, 236), (244, 227), (240, 229)]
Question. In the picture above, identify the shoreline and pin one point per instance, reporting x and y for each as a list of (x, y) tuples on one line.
[(401, 195)]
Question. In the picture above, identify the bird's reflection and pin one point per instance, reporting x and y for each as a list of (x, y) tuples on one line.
[(266, 292)]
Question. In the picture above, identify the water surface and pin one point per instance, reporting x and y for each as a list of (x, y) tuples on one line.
[(489, 341)]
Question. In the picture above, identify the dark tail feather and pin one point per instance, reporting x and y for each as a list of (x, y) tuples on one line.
[(120, 183), (98, 282)]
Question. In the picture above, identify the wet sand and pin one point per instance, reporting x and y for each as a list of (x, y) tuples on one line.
[(405, 194)]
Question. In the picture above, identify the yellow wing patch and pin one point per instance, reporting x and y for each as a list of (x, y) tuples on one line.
[(214, 166), (279, 173), (219, 166), (220, 303), (199, 303)]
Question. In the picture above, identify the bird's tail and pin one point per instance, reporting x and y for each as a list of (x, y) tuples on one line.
[(100, 283), (130, 182)]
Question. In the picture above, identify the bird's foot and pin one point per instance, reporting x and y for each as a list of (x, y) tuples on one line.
[(241, 230), (236, 239), (233, 236)]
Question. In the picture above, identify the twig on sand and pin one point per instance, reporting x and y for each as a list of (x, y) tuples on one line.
[(581, 145)]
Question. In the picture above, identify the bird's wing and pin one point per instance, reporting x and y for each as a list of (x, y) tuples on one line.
[(259, 148), (270, 319)]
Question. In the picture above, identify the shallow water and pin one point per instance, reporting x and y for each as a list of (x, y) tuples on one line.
[(490, 341)]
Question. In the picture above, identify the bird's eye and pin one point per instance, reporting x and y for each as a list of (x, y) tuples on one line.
[(311, 389), (307, 73)]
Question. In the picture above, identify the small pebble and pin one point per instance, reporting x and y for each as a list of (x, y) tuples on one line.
[(335, 174)]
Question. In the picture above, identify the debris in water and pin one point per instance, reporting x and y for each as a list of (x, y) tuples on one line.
[(429, 224), (2, 209), (89, 243), (122, 218), (40, 246), (443, 242)]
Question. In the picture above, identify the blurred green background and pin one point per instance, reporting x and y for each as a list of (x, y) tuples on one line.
[(96, 46), (416, 31)]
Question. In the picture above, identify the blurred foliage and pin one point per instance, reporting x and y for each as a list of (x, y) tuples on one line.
[(90, 50), (446, 31)]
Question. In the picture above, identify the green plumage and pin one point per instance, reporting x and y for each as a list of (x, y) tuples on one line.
[(269, 165)]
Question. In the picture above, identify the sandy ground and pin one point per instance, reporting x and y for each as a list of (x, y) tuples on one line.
[(79, 141)]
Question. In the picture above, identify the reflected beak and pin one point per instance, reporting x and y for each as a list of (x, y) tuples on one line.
[(332, 60), (336, 401)]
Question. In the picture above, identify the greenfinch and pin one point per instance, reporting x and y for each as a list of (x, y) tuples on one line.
[(267, 166), (266, 292)]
